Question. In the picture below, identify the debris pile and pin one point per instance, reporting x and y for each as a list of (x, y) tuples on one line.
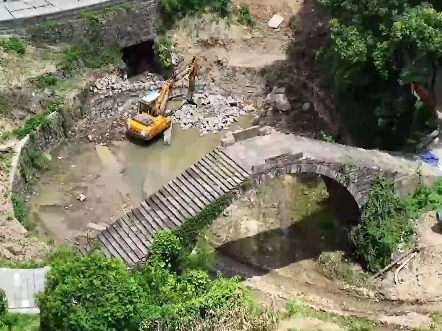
[(212, 112), (114, 84)]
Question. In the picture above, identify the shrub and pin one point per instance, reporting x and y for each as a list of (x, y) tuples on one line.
[(90, 293), (13, 44), (167, 248), (383, 225), (244, 16)]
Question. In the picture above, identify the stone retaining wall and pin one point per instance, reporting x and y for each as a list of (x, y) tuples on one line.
[(118, 22)]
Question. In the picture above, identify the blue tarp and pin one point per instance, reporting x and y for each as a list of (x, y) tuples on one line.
[(429, 158)]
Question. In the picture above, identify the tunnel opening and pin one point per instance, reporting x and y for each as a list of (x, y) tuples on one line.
[(140, 58)]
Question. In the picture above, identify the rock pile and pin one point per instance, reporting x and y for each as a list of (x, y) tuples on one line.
[(114, 84), (212, 112), (278, 100)]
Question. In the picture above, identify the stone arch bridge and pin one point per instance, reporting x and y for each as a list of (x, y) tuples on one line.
[(256, 155)]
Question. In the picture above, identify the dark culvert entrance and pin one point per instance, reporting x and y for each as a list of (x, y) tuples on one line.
[(140, 58)]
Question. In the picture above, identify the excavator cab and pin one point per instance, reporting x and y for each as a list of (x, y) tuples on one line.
[(147, 103)]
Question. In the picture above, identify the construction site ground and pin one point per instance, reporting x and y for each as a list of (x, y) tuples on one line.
[(279, 236)]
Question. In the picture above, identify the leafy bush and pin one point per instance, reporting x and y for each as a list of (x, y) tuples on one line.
[(91, 293), (13, 44), (163, 46), (167, 248), (387, 220), (383, 225)]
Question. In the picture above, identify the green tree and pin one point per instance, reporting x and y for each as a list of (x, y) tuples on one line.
[(377, 48), (91, 293)]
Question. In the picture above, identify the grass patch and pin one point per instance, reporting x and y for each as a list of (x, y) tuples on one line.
[(5, 161), (20, 322), (39, 120), (13, 44), (90, 56), (243, 15), (298, 308), (32, 124), (45, 81), (336, 266)]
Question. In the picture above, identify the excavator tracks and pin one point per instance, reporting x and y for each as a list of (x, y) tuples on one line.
[(130, 237)]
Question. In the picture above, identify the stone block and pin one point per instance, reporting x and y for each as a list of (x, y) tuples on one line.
[(227, 141), (241, 135), (265, 130)]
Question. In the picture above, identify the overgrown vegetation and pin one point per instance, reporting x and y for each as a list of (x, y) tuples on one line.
[(175, 9), (20, 213), (243, 15), (90, 55), (370, 67), (388, 220), (97, 293), (194, 227), (39, 120), (45, 81), (163, 47), (13, 44)]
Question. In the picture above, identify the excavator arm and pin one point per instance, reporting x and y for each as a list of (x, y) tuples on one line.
[(191, 70)]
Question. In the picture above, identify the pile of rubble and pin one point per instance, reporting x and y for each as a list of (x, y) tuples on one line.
[(212, 112), (112, 84)]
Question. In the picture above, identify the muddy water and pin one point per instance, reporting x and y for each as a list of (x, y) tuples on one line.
[(113, 178)]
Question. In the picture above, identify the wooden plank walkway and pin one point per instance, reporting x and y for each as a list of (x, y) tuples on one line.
[(130, 237)]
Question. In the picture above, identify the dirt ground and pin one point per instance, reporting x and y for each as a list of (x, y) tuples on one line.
[(420, 280), (251, 62)]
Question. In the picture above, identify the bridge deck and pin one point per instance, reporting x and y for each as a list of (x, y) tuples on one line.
[(25, 9), (130, 237)]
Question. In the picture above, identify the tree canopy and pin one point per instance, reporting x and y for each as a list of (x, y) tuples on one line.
[(375, 51), (172, 290)]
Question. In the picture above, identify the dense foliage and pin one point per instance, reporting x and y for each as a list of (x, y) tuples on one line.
[(376, 50), (388, 220), (169, 291)]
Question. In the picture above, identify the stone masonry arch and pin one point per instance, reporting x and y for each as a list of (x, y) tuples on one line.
[(348, 186)]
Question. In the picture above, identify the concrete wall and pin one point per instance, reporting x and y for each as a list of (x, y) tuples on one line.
[(119, 22)]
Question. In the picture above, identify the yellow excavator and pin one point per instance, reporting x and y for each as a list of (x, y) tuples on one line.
[(150, 120)]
